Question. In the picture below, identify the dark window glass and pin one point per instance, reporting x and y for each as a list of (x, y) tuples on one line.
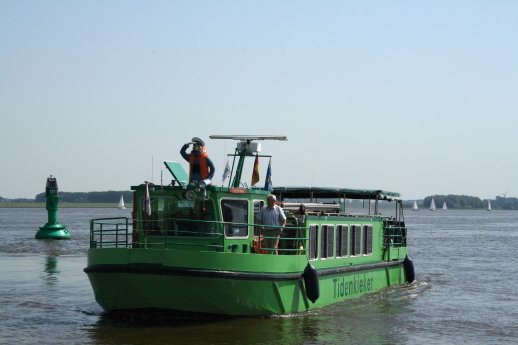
[(330, 239), (342, 233), (183, 217), (327, 241), (323, 241), (258, 204), (313, 243), (355, 239), (367, 239), (235, 216)]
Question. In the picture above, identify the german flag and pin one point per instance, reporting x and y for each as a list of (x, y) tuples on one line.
[(255, 174)]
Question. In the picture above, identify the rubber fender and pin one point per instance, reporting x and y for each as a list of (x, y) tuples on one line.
[(311, 283), (409, 270)]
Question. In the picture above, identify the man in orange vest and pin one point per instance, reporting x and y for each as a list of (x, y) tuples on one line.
[(200, 166)]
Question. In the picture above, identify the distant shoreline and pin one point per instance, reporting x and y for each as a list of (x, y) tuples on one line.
[(62, 205)]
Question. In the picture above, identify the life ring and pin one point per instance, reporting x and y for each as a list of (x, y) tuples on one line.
[(258, 245)]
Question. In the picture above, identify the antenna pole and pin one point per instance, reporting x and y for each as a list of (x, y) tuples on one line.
[(239, 169), (242, 153)]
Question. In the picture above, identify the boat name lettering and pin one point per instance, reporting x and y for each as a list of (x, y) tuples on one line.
[(237, 190), (357, 284)]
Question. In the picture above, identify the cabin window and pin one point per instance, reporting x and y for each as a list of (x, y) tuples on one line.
[(367, 239), (184, 217), (258, 205), (356, 238), (313, 240), (327, 241), (342, 234), (235, 217)]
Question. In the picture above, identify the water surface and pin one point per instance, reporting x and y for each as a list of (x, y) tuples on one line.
[(465, 291)]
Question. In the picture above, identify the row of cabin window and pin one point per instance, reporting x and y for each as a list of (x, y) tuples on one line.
[(235, 214), (345, 243)]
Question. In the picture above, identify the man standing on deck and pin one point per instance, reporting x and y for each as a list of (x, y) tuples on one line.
[(200, 166), (274, 218)]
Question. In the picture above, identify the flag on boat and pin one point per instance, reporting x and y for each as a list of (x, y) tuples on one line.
[(255, 174), (268, 181), (147, 202), (226, 173)]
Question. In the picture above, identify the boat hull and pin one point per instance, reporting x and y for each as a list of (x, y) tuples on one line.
[(230, 290)]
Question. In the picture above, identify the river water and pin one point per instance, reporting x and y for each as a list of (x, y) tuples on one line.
[(466, 291)]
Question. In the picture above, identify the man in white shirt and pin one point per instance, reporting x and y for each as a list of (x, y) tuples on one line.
[(274, 218)]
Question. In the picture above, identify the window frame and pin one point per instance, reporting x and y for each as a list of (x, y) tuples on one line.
[(261, 202), (366, 240), (355, 248), (327, 242), (313, 242), (340, 247), (221, 200)]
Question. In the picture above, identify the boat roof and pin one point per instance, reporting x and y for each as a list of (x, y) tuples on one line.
[(331, 192)]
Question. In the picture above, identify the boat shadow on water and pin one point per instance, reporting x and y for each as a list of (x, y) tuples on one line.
[(157, 327), (156, 318)]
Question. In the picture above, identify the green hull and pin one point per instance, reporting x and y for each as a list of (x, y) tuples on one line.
[(190, 285), (196, 247)]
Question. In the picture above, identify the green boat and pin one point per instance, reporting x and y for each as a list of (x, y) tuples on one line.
[(195, 247)]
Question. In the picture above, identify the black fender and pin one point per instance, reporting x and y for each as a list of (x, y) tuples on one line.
[(408, 265), (311, 283)]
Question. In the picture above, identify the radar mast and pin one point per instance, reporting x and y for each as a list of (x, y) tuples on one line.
[(246, 147)]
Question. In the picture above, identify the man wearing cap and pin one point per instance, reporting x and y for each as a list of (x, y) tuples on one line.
[(274, 218), (200, 166)]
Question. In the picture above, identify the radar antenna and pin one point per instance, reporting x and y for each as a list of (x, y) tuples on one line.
[(250, 137), (244, 148)]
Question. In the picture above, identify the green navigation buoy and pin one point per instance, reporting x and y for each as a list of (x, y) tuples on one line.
[(52, 230)]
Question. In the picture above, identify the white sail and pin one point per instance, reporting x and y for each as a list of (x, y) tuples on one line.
[(432, 205), (415, 208), (489, 205), (444, 207), (121, 203)]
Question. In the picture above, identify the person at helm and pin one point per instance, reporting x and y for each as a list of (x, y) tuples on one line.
[(200, 165)]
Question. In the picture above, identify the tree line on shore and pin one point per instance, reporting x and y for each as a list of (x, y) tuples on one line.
[(452, 201), (81, 197)]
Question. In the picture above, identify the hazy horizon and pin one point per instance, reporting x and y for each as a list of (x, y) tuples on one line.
[(128, 190)]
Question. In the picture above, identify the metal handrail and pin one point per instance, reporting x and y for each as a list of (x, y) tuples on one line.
[(114, 233), (117, 232), (394, 234)]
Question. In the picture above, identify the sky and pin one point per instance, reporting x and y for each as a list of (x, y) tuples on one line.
[(416, 97)]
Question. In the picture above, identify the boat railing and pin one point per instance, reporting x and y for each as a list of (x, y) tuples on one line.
[(115, 233), (184, 232), (181, 227), (292, 239), (394, 234), (109, 232), (181, 232)]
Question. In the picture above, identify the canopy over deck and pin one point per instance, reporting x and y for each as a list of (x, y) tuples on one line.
[(329, 192)]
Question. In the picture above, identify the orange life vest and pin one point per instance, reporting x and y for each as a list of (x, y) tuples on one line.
[(202, 158)]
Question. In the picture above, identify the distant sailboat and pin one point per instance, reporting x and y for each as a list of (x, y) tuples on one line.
[(444, 207), (415, 208), (121, 204), (432, 205), (489, 205)]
